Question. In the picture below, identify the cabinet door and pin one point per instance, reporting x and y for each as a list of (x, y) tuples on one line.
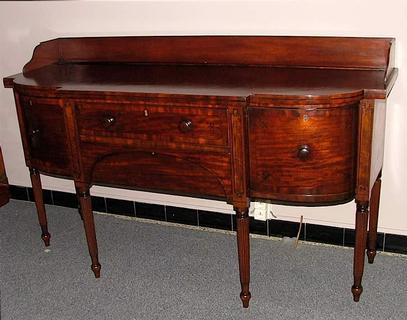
[(46, 135), (304, 154)]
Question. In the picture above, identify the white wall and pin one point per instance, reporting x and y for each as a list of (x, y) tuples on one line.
[(24, 24)]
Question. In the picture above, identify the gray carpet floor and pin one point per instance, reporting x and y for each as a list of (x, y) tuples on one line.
[(153, 271)]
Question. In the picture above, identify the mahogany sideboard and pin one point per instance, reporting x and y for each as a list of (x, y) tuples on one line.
[(293, 120), (4, 188)]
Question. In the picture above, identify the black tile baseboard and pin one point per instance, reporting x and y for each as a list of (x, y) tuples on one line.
[(65, 199), (281, 228), (258, 226), (395, 243), (99, 204), (277, 228), (325, 234), (215, 220), (349, 239), (182, 215), (150, 211), (120, 207), (47, 194), (19, 193)]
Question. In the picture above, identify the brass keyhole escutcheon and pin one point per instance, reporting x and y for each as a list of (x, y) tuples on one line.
[(109, 121), (185, 125)]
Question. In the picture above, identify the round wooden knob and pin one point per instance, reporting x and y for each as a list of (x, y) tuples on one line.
[(185, 125), (108, 121), (304, 152)]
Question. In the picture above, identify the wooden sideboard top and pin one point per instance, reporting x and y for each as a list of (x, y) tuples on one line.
[(221, 66)]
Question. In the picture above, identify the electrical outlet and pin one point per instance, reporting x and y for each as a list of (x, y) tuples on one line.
[(260, 210)]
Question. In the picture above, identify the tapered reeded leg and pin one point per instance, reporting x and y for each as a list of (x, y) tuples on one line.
[(89, 224), (373, 217), (79, 204), (39, 203), (243, 245), (360, 248)]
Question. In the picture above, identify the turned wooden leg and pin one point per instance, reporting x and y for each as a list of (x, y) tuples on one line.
[(373, 217), (362, 213), (89, 224), (243, 246), (39, 203)]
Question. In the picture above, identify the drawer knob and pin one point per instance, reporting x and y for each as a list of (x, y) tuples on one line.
[(185, 125), (109, 121), (304, 152)]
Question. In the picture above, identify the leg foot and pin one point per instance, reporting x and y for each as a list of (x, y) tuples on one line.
[(356, 291), (371, 254), (45, 236), (96, 269), (245, 299), (39, 203), (360, 248), (243, 245)]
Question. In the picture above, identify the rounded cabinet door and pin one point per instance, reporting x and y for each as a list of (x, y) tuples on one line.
[(304, 154), (46, 135)]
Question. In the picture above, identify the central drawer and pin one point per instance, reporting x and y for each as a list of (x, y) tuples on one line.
[(153, 124)]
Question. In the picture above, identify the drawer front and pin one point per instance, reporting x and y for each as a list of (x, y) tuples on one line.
[(157, 125), (46, 135), (183, 173), (303, 155)]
